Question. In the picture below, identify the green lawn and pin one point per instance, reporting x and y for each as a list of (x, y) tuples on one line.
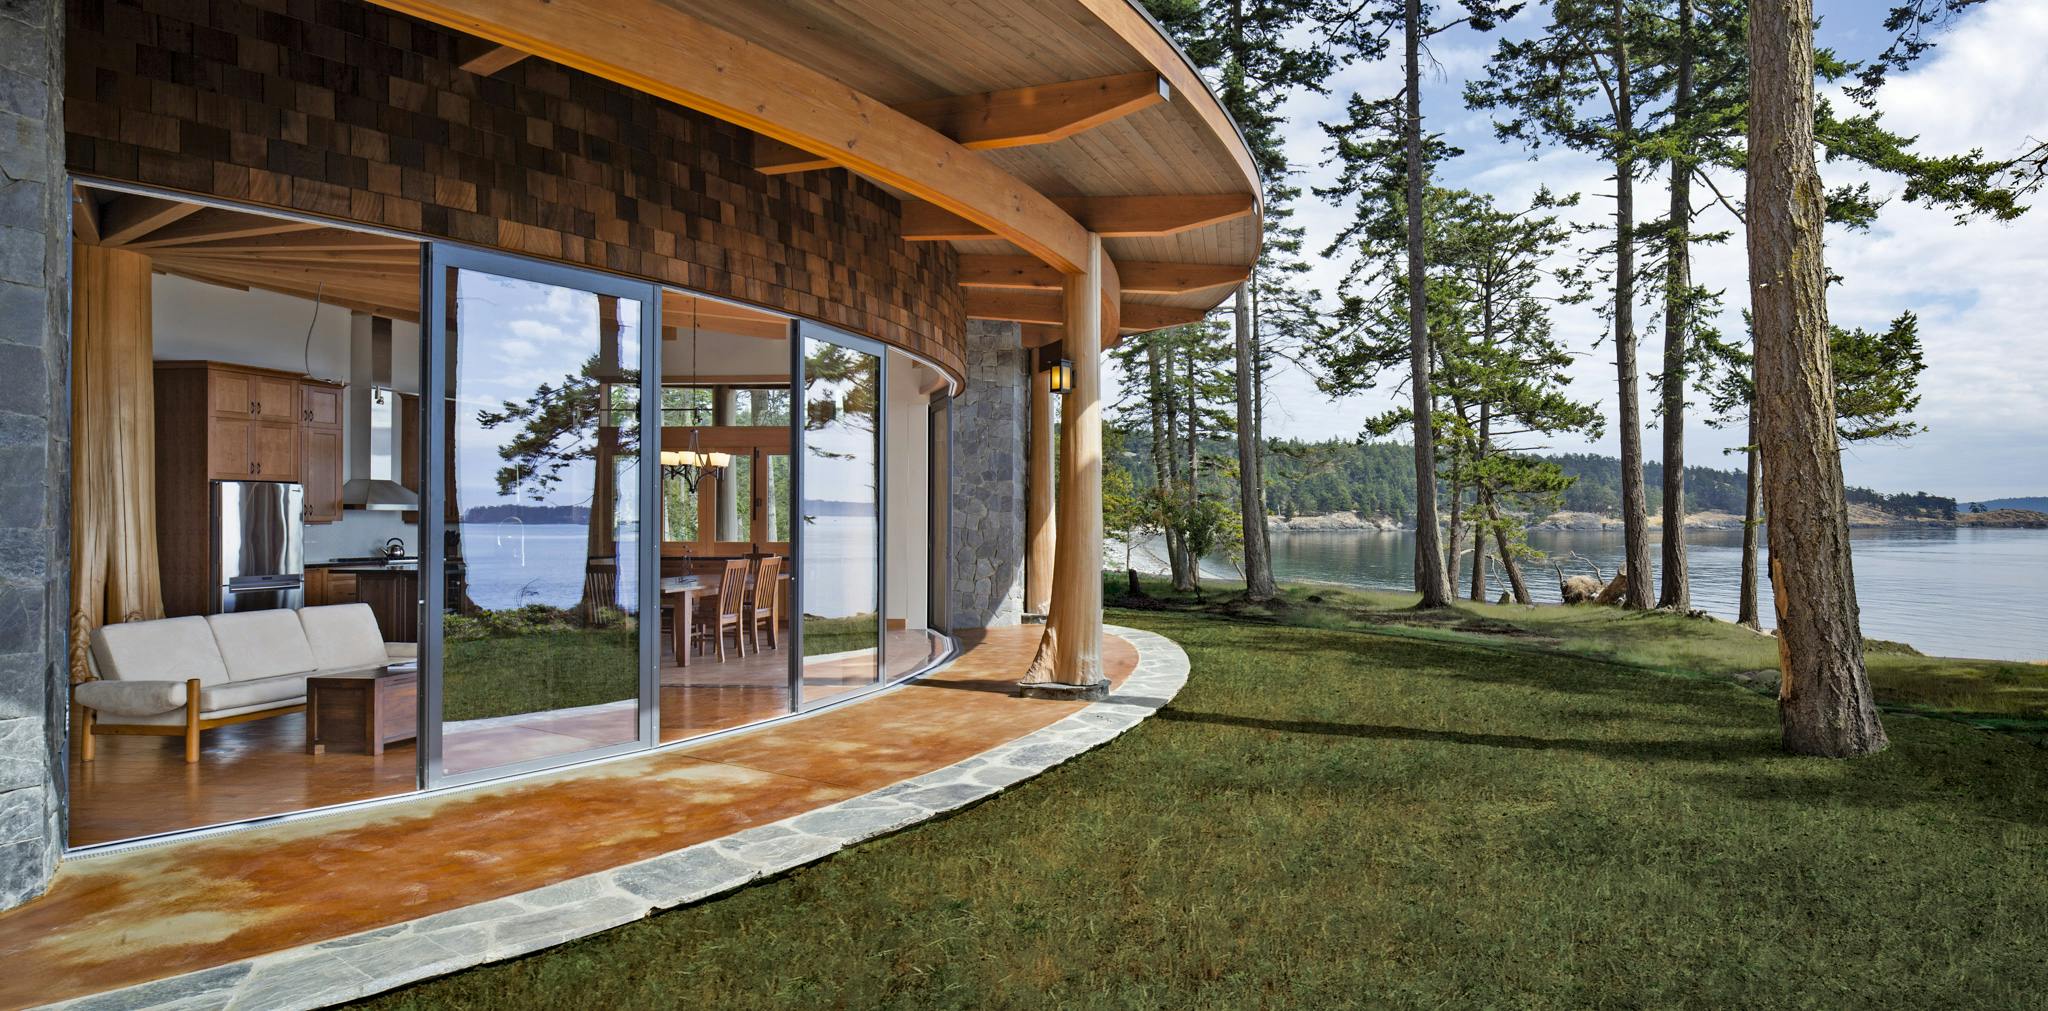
[(1333, 817)]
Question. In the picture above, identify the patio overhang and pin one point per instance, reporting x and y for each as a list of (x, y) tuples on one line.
[(1010, 131)]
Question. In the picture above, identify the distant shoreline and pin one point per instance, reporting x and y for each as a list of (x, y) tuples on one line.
[(1861, 517)]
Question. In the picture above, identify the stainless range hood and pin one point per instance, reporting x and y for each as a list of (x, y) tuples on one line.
[(377, 429)]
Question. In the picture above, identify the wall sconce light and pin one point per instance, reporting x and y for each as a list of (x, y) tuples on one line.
[(1060, 376)]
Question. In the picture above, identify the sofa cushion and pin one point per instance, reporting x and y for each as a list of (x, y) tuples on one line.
[(114, 700), (343, 636), (261, 644), (170, 649), (287, 689)]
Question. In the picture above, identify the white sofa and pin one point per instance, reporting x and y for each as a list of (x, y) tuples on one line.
[(179, 676)]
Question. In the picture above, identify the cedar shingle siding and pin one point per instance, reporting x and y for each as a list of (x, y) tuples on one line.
[(344, 110)]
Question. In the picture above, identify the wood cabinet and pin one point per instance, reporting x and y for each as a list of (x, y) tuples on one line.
[(245, 420), (220, 422), (321, 450), (324, 585)]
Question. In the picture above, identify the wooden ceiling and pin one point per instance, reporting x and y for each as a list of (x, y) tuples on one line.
[(240, 250), (1073, 112)]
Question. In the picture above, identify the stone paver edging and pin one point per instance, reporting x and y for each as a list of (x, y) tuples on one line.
[(349, 968)]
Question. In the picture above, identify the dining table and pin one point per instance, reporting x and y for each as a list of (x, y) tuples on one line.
[(682, 593)]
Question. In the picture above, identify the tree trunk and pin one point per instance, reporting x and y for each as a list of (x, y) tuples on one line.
[(1258, 569), (1507, 556), (1635, 519), (1070, 650), (1824, 699), (1194, 563), (1676, 592), (1165, 457), (1432, 580), (1746, 610), (1480, 498), (1259, 428)]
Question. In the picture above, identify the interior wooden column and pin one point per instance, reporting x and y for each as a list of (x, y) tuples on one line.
[(724, 408), (1038, 514), (114, 573), (1070, 652), (601, 571)]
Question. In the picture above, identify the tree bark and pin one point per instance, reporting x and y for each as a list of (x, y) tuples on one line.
[(1676, 592), (1481, 497), (1824, 699), (1430, 576), (1040, 530), (1635, 519), (1746, 610), (1258, 568), (1508, 563), (1166, 457), (1194, 561)]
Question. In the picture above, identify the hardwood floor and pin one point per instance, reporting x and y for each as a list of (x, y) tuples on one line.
[(141, 786)]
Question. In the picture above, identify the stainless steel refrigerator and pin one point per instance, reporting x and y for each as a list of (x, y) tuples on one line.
[(258, 560)]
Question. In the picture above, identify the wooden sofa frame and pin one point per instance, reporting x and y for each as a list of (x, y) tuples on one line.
[(194, 723)]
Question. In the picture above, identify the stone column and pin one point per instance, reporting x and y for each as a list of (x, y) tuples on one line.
[(35, 449), (990, 418)]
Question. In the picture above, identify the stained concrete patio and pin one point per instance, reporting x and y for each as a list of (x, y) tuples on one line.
[(328, 909)]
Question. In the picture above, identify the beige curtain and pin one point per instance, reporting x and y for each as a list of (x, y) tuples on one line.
[(114, 576)]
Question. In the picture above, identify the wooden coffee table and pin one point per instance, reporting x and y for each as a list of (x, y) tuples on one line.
[(361, 711)]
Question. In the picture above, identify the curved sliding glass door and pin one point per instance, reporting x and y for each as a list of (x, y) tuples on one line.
[(839, 511), (536, 652)]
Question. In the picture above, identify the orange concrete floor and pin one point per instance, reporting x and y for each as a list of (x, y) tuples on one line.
[(132, 917), (140, 786)]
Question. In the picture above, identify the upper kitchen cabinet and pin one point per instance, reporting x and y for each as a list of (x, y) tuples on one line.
[(247, 420), (321, 450)]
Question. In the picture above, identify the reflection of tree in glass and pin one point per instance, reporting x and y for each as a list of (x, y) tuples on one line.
[(842, 387), (558, 427)]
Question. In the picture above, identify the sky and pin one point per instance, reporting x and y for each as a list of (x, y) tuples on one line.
[(1980, 289)]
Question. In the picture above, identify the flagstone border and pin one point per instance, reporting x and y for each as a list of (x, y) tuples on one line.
[(356, 966)]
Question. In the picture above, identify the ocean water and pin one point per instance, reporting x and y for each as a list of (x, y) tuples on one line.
[(514, 564), (1946, 591)]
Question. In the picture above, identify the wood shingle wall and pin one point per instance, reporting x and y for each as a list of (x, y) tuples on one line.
[(336, 108)]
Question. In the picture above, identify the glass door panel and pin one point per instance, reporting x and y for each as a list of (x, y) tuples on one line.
[(839, 579), (537, 648)]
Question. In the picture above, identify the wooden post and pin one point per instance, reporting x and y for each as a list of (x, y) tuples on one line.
[(1070, 652), (1039, 537)]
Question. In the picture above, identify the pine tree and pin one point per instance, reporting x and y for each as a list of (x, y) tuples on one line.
[(1579, 83)]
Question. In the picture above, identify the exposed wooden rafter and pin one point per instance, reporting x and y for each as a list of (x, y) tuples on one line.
[(1136, 217), (129, 217), (654, 48), (1044, 313), (1141, 277), (1014, 117), (493, 59)]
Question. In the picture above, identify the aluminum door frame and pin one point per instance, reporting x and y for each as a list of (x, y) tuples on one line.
[(434, 388)]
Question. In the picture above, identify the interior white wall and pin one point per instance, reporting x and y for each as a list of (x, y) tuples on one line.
[(205, 322), (717, 353), (907, 457)]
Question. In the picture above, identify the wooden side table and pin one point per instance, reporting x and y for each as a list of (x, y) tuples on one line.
[(361, 711)]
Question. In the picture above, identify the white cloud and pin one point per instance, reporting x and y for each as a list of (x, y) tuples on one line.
[(1980, 289)]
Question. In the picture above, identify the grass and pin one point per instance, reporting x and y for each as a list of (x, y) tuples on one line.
[(1993, 694), (1396, 815)]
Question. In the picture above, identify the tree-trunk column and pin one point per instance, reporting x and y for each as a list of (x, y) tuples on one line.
[(1070, 653), (113, 504), (724, 408), (1039, 528)]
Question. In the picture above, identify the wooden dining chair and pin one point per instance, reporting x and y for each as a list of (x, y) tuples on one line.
[(763, 602), (724, 611)]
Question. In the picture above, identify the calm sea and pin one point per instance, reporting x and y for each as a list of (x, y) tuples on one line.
[(1949, 592), (512, 564)]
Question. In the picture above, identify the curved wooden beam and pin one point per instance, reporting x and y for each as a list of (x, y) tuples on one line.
[(1013, 117), (656, 49)]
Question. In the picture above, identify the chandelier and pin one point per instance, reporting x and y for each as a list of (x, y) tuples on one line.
[(691, 465)]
